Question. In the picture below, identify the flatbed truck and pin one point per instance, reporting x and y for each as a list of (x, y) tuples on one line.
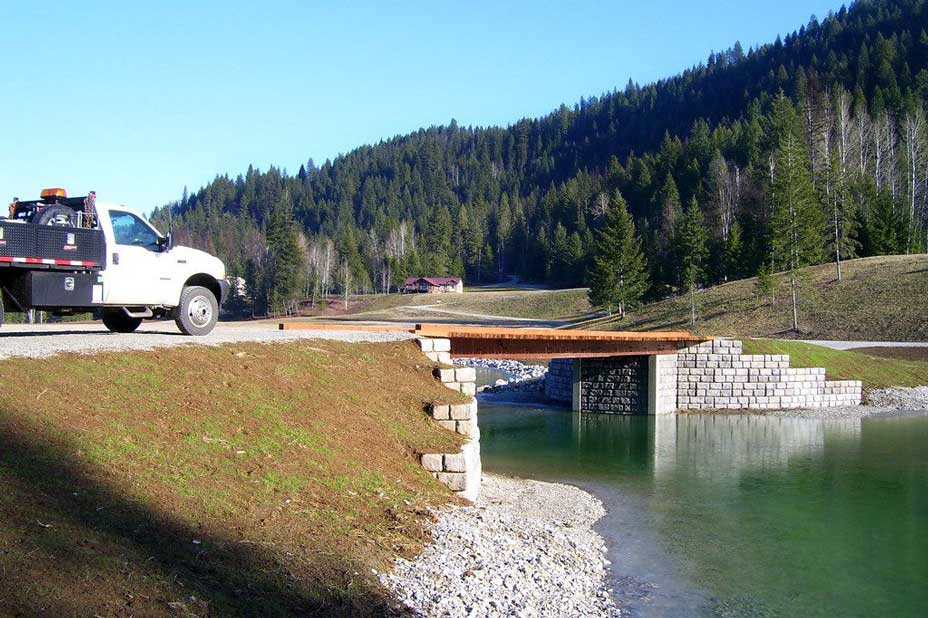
[(72, 255)]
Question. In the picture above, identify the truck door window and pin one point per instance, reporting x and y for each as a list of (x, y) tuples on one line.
[(129, 229)]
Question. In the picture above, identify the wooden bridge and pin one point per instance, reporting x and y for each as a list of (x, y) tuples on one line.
[(539, 343), (531, 343)]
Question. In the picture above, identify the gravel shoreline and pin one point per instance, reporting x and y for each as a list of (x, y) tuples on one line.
[(898, 398), (527, 548)]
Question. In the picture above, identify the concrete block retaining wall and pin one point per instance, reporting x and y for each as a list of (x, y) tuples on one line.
[(459, 471), (716, 375), (711, 375), (437, 350)]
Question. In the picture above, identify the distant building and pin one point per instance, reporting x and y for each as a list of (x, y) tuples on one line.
[(433, 285)]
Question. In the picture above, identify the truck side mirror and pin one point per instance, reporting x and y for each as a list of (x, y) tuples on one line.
[(168, 243)]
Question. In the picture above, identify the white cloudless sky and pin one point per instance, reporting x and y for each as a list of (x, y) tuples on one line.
[(138, 100)]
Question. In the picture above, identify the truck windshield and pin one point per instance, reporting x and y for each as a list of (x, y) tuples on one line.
[(129, 229)]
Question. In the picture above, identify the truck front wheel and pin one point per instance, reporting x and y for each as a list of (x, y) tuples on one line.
[(197, 312), (117, 321)]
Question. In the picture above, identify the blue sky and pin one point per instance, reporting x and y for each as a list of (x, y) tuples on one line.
[(137, 100)]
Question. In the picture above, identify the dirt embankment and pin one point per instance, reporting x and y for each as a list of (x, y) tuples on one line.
[(238, 480)]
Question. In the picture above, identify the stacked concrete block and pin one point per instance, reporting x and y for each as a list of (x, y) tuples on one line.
[(663, 376), (559, 380), (461, 379), (459, 417), (716, 375), (459, 471), (436, 349)]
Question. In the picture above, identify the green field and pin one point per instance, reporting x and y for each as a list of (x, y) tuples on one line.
[(242, 480)]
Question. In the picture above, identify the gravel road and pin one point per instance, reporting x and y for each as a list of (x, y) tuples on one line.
[(41, 340), (526, 549)]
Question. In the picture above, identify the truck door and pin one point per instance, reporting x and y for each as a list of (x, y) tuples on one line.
[(135, 269)]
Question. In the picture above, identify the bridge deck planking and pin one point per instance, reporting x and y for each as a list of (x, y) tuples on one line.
[(553, 334), (540, 343), (531, 343)]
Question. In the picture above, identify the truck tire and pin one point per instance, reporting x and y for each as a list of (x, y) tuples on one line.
[(197, 312), (117, 321), (58, 216)]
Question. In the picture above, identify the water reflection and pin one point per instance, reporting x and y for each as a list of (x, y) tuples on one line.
[(741, 515)]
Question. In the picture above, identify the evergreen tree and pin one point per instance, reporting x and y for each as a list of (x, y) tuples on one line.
[(765, 284), (561, 258), (618, 277), (885, 224), (797, 225), (692, 250), (285, 256), (734, 253)]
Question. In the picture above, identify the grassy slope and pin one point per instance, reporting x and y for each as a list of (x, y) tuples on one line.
[(880, 299), (233, 481), (875, 372)]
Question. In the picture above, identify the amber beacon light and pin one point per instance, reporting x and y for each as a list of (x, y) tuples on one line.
[(53, 192)]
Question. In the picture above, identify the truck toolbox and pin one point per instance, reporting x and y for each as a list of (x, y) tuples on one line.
[(53, 247), (16, 239), (44, 288), (74, 244)]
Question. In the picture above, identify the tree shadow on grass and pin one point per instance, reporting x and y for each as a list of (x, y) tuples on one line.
[(71, 545)]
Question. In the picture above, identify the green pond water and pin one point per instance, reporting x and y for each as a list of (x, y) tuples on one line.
[(712, 515)]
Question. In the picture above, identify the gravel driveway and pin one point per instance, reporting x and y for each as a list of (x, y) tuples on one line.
[(41, 340)]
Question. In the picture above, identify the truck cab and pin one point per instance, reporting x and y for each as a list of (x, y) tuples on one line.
[(128, 271)]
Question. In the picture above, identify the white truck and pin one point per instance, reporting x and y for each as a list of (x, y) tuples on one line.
[(71, 255)]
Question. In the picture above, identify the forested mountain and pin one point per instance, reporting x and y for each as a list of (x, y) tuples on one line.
[(528, 199)]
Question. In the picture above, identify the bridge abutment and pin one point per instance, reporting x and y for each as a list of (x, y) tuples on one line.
[(645, 384), (708, 376)]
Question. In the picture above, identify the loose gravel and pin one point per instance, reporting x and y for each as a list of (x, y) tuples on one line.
[(900, 398), (526, 549), (39, 341), (522, 376)]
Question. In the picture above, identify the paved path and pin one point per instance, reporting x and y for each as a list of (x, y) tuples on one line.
[(40, 340), (850, 345)]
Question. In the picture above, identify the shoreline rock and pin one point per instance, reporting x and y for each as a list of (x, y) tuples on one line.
[(899, 398), (522, 376), (527, 548)]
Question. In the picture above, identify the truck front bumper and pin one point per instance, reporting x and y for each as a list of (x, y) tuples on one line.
[(223, 290)]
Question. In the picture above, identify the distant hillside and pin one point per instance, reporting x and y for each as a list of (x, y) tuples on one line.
[(529, 198), (880, 299)]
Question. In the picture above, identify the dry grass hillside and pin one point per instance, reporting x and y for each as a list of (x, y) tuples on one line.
[(477, 304), (879, 299), (243, 480)]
